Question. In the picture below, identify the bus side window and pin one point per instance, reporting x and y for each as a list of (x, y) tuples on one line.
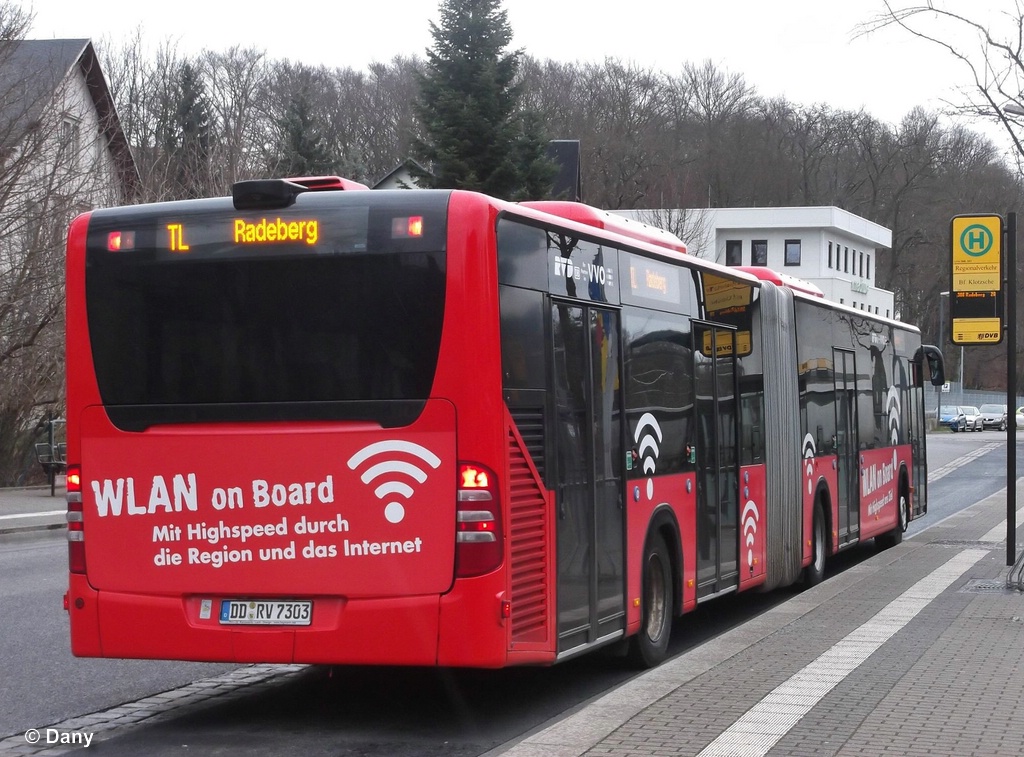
[(659, 386)]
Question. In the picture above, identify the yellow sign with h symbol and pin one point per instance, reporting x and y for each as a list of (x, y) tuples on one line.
[(976, 297), (977, 253)]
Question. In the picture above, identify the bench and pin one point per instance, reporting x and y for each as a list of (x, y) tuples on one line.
[(53, 459)]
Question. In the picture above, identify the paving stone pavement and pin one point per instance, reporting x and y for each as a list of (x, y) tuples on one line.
[(919, 650)]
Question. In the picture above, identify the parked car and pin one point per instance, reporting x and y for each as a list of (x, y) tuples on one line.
[(973, 418), (1020, 418), (993, 416), (954, 417)]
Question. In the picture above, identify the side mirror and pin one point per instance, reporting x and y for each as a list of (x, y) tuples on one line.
[(929, 358)]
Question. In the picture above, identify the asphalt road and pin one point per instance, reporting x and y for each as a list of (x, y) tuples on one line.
[(42, 682), (366, 711)]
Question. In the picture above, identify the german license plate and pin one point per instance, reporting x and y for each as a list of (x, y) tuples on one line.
[(254, 612)]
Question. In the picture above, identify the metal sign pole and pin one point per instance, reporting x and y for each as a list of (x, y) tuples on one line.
[(1011, 387)]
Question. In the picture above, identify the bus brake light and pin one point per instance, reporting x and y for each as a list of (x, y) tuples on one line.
[(76, 524), (479, 540), (407, 227), (120, 240), (473, 477)]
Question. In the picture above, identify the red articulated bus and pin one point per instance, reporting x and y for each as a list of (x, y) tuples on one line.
[(316, 423)]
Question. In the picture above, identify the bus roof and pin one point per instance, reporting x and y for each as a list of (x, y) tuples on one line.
[(602, 219), (763, 273)]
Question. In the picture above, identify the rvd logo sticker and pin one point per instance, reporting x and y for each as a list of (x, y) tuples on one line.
[(393, 472)]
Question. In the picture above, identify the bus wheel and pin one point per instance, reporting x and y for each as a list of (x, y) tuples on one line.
[(650, 646), (894, 537), (815, 572)]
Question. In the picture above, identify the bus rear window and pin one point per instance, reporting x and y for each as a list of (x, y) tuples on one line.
[(205, 319)]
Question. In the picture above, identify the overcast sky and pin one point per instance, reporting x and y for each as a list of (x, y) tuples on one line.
[(805, 50)]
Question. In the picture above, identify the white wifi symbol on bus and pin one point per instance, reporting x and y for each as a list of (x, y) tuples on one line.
[(810, 450), (648, 436), (750, 518), (393, 473), (893, 401)]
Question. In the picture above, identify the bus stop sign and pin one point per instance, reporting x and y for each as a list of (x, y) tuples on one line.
[(976, 295)]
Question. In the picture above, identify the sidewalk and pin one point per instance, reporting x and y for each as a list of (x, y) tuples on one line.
[(32, 509), (917, 651)]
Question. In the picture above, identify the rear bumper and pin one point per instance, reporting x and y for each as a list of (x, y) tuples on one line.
[(461, 628), (372, 632)]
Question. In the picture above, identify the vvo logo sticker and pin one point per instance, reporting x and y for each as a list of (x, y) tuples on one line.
[(396, 475), (591, 273)]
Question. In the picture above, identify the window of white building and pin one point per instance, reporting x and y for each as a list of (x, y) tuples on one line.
[(70, 138), (733, 252), (759, 252), (792, 256)]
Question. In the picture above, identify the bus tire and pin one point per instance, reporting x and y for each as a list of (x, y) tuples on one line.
[(649, 646), (894, 537), (814, 573)]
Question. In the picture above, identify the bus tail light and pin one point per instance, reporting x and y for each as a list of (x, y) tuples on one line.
[(76, 531), (480, 544)]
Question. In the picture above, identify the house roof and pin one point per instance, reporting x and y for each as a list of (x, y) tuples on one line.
[(402, 173), (31, 74)]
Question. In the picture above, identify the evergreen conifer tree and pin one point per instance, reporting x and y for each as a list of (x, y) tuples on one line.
[(194, 123), (303, 151), (478, 136)]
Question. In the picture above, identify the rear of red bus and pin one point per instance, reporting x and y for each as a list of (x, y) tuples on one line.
[(264, 451)]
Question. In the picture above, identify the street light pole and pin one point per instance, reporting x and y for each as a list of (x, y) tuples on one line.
[(942, 350), (961, 374)]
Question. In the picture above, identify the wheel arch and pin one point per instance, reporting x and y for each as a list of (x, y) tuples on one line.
[(823, 499), (904, 488), (664, 523)]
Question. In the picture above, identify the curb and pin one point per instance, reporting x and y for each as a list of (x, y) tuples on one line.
[(4, 530)]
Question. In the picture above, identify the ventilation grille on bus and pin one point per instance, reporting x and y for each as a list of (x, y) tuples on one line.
[(530, 422), (527, 540)]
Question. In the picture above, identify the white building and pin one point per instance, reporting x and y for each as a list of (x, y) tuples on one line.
[(827, 246), (58, 118)]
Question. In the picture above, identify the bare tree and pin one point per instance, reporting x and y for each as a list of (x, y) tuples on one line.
[(53, 164), (693, 226), (389, 120), (990, 47), (145, 87), (717, 104), (236, 81), (622, 115)]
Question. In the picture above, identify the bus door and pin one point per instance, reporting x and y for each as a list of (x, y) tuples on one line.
[(912, 395), (588, 434), (846, 444), (717, 461)]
